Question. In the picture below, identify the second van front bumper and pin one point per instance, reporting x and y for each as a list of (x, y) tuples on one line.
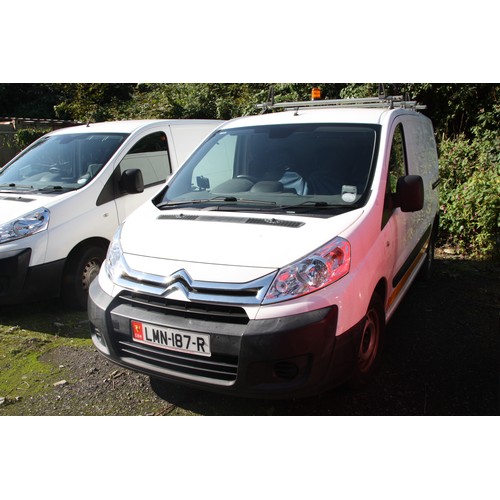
[(21, 283), (291, 356)]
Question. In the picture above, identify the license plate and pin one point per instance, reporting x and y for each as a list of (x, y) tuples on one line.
[(168, 338)]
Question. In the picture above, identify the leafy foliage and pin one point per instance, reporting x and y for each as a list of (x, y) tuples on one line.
[(20, 140), (91, 101), (470, 195), (221, 101), (26, 136), (190, 100), (455, 109)]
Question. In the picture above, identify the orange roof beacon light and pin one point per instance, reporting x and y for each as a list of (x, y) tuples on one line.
[(315, 94)]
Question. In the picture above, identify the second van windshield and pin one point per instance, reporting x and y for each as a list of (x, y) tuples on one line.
[(66, 161)]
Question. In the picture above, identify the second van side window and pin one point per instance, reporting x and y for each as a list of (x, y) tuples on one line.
[(150, 155), (397, 169)]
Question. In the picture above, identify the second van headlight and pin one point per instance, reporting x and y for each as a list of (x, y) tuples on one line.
[(324, 266), (26, 225), (113, 264)]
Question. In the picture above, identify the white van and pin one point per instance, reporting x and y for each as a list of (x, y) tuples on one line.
[(62, 198), (299, 233)]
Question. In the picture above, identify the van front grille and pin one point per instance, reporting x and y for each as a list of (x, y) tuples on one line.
[(188, 310)]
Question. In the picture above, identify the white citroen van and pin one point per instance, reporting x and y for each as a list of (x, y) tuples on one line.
[(298, 233), (63, 197)]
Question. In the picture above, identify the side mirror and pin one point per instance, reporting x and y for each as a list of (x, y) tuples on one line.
[(131, 181), (409, 193)]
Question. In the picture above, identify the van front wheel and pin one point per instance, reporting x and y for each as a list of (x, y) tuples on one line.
[(371, 342), (81, 269)]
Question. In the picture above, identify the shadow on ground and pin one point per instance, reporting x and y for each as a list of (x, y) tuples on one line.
[(50, 316)]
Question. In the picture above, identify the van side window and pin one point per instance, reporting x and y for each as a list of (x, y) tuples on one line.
[(397, 160), (150, 155), (397, 169)]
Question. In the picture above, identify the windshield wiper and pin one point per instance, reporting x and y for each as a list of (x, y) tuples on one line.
[(16, 186), (172, 204), (216, 199), (313, 204), (56, 187)]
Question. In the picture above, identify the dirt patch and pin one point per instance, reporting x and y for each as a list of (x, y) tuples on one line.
[(442, 357), (91, 385)]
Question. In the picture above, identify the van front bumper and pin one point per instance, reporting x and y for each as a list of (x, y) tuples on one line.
[(294, 356), (19, 282)]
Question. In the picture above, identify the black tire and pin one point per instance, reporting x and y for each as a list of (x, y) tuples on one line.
[(82, 267), (370, 344)]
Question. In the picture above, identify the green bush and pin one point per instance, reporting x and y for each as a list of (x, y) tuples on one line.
[(470, 195), (25, 136)]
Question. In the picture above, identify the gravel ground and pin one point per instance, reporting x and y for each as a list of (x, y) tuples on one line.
[(441, 358)]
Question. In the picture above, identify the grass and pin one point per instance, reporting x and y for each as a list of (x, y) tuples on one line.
[(26, 336)]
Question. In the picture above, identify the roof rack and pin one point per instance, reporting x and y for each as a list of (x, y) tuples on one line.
[(390, 102)]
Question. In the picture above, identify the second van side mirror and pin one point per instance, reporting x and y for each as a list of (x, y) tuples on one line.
[(409, 193), (131, 181)]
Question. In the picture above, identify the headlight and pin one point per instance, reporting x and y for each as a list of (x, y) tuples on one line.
[(113, 264), (317, 270), (26, 225)]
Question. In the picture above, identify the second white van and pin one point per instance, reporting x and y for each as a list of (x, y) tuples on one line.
[(62, 198)]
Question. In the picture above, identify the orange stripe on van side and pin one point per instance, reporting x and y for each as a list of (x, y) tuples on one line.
[(404, 279)]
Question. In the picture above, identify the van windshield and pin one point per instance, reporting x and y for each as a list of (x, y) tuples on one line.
[(60, 162), (311, 166)]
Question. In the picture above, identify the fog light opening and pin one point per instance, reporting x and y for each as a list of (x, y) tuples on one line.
[(286, 370), (98, 335)]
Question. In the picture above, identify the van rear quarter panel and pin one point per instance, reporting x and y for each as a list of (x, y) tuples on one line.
[(422, 161), (422, 151)]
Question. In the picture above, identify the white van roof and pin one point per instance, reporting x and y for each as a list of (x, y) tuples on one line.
[(318, 115), (340, 115), (127, 126)]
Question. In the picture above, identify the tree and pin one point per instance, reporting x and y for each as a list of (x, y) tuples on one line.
[(455, 109), (92, 101)]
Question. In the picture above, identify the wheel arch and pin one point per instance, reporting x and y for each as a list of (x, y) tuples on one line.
[(102, 242), (80, 268), (381, 291)]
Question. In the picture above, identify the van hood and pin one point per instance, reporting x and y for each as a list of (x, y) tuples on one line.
[(229, 239), (14, 205)]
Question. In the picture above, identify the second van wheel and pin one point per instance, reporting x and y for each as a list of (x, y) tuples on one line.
[(82, 268), (371, 342)]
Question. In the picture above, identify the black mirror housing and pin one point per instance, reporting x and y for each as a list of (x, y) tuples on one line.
[(410, 193), (131, 181)]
